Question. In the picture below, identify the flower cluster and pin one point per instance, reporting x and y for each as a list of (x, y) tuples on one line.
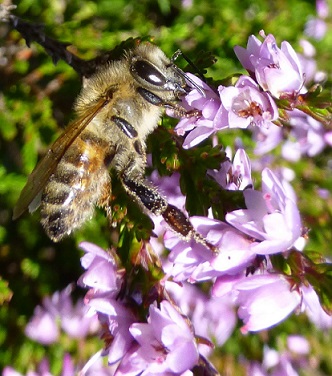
[(275, 75), (316, 26), (293, 357), (43, 368), (245, 282), (179, 324), (44, 328), (150, 312), (235, 107), (269, 225), (57, 317), (165, 344)]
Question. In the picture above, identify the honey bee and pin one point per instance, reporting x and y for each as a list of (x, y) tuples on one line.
[(118, 107)]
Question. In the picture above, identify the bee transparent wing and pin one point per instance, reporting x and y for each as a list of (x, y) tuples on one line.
[(31, 194)]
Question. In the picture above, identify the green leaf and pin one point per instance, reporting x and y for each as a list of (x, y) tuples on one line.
[(5, 292)]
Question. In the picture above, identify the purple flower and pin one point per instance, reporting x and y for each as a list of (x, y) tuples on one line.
[(298, 345), (234, 176), (314, 310), (115, 320), (188, 260), (43, 326), (307, 61), (204, 126), (95, 367), (267, 138), (102, 272), (165, 345), (194, 262), (43, 369), (286, 362), (307, 137), (75, 321), (263, 299), (213, 318), (9, 371), (268, 297), (271, 217), (276, 70), (73, 318), (316, 26), (246, 105), (170, 187), (322, 8), (105, 280)]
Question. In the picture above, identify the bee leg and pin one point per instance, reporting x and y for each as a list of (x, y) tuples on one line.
[(151, 199), (105, 200), (124, 126), (157, 101), (178, 222)]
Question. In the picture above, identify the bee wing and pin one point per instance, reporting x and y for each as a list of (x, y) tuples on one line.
[(31, 193)]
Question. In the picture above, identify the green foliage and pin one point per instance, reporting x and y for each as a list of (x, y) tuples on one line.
[(36, 100), (5, 292)]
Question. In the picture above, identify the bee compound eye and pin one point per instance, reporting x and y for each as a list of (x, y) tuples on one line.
[(148, 73)]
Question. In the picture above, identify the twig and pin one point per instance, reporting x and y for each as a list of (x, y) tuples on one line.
[(32, 32)]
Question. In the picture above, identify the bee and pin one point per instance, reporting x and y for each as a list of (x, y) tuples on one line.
[(118, 107)]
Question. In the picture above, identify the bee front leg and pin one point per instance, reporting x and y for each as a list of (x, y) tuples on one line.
[(157, 101), (151, 199)]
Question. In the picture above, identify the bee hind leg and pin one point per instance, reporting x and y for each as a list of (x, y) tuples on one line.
[(151, 199)]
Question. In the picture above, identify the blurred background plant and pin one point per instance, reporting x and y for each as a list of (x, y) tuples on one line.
[(36, 102)]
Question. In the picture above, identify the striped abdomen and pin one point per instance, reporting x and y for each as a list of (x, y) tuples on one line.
[(79, 182)]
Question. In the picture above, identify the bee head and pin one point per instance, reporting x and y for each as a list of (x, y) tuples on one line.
[(153, 70)]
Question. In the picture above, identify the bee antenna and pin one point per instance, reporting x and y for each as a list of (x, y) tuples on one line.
[(190, 62), (183, 74)]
